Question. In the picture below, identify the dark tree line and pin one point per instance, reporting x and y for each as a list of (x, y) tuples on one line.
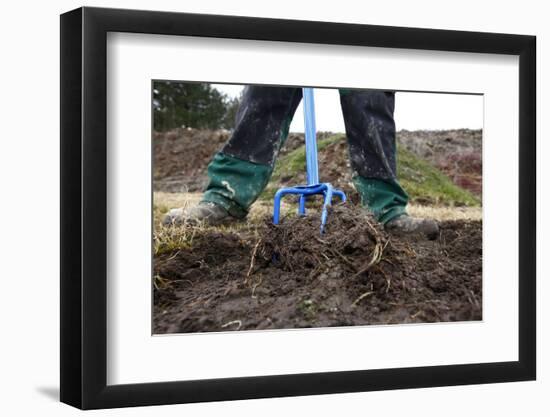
[(196, 105)]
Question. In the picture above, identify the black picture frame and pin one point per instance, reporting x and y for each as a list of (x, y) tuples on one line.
[(84, 207)]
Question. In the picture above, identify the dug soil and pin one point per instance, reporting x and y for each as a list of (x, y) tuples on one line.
[(291, 276)]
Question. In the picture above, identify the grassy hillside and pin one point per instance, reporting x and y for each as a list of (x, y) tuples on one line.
[(424, 182)]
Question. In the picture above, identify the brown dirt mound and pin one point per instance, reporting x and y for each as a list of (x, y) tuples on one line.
[(457, 153), (181, 157), (464, 170), (290, 276), (297, 245)]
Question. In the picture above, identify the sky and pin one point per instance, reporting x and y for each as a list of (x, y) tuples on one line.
[(413, 111)]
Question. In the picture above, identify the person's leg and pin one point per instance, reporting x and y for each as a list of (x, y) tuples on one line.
[(370, 130), (239, 173), (241, 170)]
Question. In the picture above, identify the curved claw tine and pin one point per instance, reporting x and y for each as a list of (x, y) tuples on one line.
[(277, 206), (302, 206), (327, 202), (341, 195)]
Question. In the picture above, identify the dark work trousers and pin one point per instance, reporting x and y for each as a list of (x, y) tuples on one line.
[(240, 172)]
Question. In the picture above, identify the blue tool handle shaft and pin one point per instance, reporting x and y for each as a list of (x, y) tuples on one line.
[(311, 137)]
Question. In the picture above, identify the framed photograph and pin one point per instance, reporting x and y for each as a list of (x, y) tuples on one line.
[(258, 208)]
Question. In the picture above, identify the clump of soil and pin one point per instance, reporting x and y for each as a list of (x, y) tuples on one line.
[(298, 246), (291, 276)]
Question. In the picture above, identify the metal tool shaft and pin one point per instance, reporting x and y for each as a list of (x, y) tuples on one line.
[(312, 167), (313, 186)]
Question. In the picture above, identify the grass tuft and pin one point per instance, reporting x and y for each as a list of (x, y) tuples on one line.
[(173, 238)]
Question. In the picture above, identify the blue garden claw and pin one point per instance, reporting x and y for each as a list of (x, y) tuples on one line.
[(313, 186)]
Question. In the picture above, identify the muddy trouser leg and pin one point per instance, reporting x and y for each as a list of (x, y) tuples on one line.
[(241, 170), (370, 129)]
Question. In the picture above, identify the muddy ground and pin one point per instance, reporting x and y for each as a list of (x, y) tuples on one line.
[(259, 276), (289, 276), (457, 153)]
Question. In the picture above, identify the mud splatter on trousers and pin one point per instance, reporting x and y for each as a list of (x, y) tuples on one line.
[(241, 170)]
